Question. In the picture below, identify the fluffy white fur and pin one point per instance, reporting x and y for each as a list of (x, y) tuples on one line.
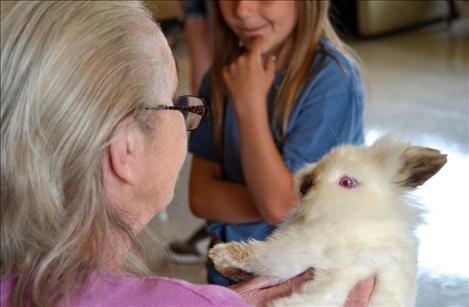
[(345, 234)]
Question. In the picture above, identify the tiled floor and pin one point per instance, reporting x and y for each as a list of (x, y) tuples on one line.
[(418, 85)]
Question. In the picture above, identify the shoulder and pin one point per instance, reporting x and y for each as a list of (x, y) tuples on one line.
[(335, 73), (114, 289)]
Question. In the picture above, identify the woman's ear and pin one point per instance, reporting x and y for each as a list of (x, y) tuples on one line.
[(124, 152)]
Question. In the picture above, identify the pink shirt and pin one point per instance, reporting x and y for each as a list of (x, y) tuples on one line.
[(112, 289)]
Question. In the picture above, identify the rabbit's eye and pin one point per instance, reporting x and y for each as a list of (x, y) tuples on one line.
[(348, 182)]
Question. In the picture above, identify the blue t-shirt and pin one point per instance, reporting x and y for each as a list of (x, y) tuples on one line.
[(327, 113)]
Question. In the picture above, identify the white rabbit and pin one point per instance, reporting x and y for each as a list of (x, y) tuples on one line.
[(353, 221)]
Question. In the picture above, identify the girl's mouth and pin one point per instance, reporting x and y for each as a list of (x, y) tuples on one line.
[(250, 31)]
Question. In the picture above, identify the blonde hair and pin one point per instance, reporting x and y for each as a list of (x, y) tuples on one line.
[(71, 71), (313, 23)]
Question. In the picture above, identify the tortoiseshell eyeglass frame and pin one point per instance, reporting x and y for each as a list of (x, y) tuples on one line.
[(180, 104)]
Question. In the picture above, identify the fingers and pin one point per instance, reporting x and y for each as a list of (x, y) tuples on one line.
[(255, 283), (288, 287), (307, 275), (360, 295), (297, 281), (256, 46), (260, 290), (260, 282)]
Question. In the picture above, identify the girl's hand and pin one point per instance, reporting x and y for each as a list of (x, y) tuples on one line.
[(247, 80)]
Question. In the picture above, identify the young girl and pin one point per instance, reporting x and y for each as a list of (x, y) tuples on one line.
[(283, 91)]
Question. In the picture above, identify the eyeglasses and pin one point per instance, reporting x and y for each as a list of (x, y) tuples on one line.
[(192, 108)]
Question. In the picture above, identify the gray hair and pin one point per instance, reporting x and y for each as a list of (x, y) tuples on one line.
[(71, 71)]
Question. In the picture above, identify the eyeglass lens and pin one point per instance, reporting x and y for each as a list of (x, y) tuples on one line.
[(193, 110)]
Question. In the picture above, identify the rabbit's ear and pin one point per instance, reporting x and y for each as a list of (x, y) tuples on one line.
[(419, 165)]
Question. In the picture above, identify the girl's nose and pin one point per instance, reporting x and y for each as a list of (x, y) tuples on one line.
[(245, 8)]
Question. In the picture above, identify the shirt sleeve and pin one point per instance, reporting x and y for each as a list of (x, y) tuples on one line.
[(329, 114), (202, 141)]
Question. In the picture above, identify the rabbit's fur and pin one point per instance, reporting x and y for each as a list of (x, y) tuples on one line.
[(345, 234)]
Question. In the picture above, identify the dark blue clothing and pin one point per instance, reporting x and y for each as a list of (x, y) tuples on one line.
[(197, 8), (327, 113)]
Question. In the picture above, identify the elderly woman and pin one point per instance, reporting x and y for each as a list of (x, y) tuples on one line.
[(91, 145)]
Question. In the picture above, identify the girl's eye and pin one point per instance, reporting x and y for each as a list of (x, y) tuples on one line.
[(348, 182)]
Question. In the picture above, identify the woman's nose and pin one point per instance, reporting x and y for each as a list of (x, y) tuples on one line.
[(245, 8)]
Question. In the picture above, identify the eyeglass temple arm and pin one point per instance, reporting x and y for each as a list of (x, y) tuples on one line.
[(200, 110)]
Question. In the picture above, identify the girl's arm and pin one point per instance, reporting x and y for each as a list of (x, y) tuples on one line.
[(198, 43), (212, 198), (267, 177)]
